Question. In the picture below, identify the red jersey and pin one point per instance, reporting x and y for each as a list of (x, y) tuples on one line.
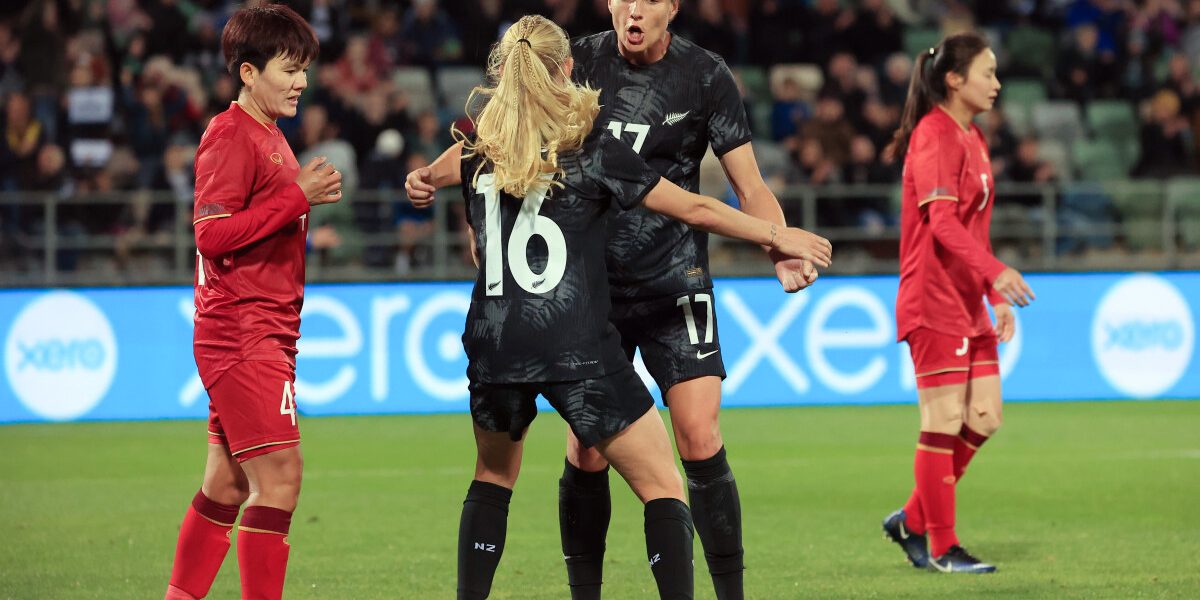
[(251, 221), (943, 280)]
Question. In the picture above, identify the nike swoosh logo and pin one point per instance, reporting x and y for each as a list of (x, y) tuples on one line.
[(673, 118), (492, 286), (903, 532), (962, 351), (700, 354)]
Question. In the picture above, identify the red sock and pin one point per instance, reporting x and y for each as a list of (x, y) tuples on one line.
[(934, 468), (202, 546), (263, 552), (965, 447)]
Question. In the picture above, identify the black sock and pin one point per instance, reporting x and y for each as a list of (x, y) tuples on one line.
[(669, 547), (481, 534), (717, 512), (584, 509)]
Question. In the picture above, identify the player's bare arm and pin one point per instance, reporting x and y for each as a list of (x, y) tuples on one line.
[(756, 199), (421, 184), (714, 216)]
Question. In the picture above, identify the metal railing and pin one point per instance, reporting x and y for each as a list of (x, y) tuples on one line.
[(145, 238)]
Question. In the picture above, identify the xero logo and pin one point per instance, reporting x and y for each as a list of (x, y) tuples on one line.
[(1142, 336), (60, 356)]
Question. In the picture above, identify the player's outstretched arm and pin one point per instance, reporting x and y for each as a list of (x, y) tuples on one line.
[(756, 199), (422, 184), (714, 216)]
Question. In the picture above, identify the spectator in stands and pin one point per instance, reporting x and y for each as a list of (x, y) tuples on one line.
[(1002, 142), (43, 61), (356, 74), (865, 168), (828, 24), (893, 89), (879, 121), (788, 110), (830, 129), (24, 135), (1028, 167), (50, 175), (480, 30), (1079, 70), (1181, 81), (334, 237), (777, 38), (1166, 139), (876, 33), (413, 225), (429, 37), (11, 79), (841, 81), (1108, 16), (815, 167)]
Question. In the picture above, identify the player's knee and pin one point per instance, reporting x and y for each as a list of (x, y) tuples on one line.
[(986, 424), (698, 443), (232, 493)]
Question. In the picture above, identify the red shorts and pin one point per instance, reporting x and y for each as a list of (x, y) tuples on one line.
[(943, 359), (252, 409)]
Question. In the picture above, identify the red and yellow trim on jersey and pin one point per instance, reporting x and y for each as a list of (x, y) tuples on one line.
[(215, 521), (937, 197), (215, 434), (243, 450), (934, 449), (220, 216), (985, 362)]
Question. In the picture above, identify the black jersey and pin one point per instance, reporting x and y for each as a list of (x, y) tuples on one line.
[(669, 112), (539, 310)]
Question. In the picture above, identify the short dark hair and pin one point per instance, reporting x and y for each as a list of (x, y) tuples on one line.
[(256, 35)]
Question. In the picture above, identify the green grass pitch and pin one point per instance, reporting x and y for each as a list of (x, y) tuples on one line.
[(1071, 500)]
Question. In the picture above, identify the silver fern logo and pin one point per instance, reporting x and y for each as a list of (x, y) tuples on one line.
[(673, 118)]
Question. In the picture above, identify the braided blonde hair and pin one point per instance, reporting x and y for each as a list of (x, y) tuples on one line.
[(533, 110)]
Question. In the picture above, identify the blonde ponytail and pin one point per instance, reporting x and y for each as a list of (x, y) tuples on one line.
[(533, 111)]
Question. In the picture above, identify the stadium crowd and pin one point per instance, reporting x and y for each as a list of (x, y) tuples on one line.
[(112, 96)]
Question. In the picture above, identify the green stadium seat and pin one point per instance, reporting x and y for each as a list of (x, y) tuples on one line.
[(921, 39), (1097, 160), (1112, 119), (1022, 92), (1058, 154), (1058, 119), (415, 82), (1031, 50), (455, 85), (1140, 205), (1018, 118), (1183, 194)]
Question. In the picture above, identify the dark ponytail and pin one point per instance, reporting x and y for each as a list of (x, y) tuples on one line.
[(928, 84)]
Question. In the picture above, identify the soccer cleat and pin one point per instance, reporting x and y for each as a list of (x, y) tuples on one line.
[(958, 560), (913, 544)]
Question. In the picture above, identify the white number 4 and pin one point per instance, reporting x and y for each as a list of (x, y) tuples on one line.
[(288, 405), (616, 127)]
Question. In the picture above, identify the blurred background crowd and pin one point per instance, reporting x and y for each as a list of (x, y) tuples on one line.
[(104, 102)]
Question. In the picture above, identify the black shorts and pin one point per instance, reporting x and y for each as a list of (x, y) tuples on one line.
[(677, 335), (595, 409)]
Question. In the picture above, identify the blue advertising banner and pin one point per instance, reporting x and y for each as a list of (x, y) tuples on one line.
[(395, 348)]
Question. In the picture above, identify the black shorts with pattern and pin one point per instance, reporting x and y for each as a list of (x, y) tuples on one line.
[(595, 409), (677, 335)]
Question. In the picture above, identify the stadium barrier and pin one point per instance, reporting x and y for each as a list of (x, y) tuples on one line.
[(1117, 225), (115, 354)]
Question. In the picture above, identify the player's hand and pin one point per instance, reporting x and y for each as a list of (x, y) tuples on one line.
[(798, 243), (794, 274), (322, 184), (1012, 286), (1006, 324), (419, 187)]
